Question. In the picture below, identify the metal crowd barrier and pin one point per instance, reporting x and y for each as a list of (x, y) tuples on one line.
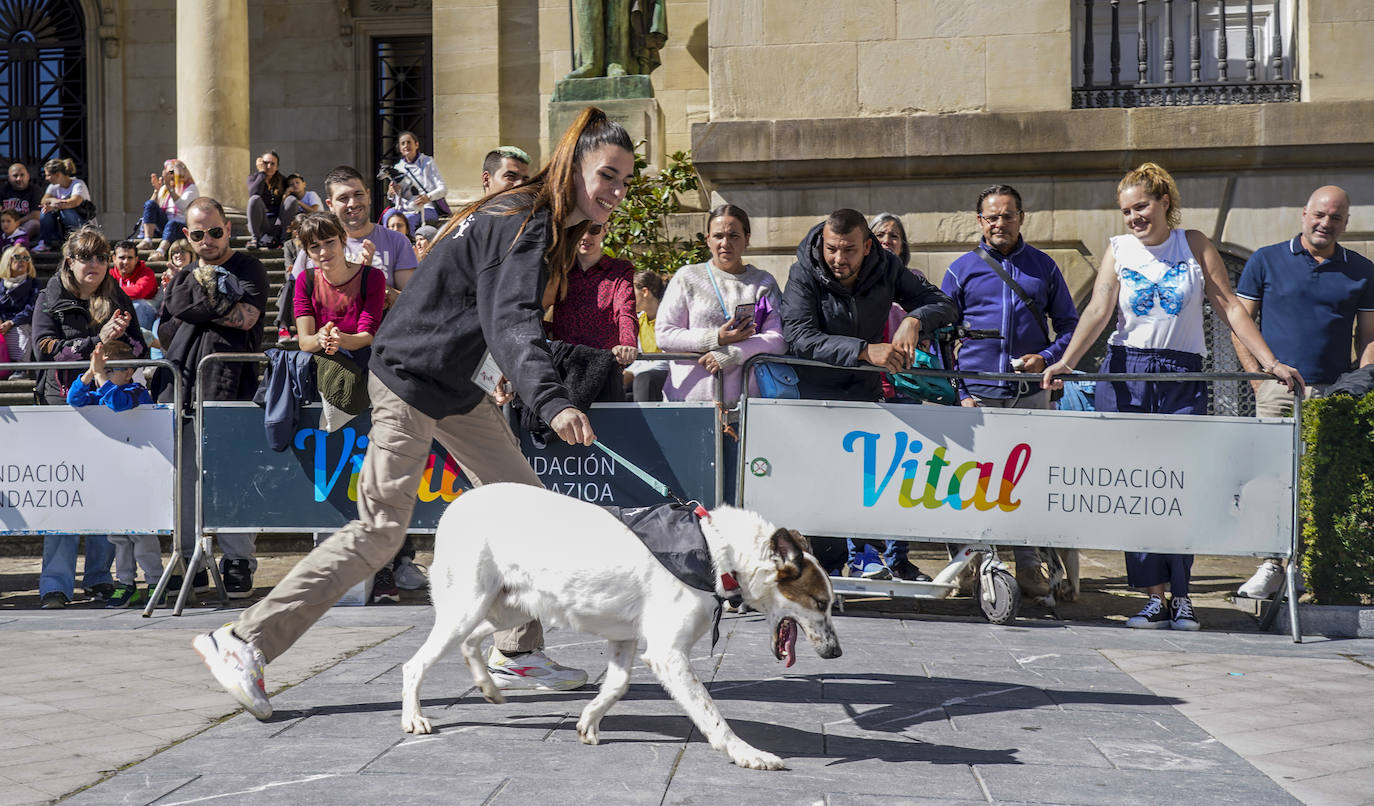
[(1297, 445), (203, 540), (178, 396)]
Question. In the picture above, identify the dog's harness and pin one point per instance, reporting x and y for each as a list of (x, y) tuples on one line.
[(673, 534)]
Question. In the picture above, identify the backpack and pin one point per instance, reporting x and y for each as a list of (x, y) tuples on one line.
[(287, 313)]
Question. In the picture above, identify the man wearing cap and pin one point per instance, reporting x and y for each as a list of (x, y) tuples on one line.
[(424, 237)]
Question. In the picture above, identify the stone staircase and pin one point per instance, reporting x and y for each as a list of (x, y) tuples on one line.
[(19, 391)]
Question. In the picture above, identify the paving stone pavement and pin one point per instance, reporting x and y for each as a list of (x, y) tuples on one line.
[(920, 709)]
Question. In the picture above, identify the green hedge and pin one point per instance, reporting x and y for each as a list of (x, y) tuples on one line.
[(1337, 499)]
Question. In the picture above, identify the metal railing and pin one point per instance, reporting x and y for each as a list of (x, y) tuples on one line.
[(1291, 567), (178, 396), (204, 540), (1160, 77)]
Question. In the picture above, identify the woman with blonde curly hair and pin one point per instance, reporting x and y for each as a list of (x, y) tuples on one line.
[(165, 211), (1154, 278), (18, 293)]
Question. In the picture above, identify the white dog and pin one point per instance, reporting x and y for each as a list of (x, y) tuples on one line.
[(507, 552)]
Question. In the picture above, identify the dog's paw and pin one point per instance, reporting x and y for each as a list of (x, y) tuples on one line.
[(417, 725), (751, 757), (588, 734), (491, 693)]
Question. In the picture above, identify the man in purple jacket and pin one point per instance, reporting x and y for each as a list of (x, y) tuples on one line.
[(1015, 306)]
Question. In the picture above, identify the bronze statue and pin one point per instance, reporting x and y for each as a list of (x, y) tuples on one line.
[(618, 37)]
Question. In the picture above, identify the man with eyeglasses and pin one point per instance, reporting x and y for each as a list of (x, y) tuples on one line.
[(1007, 285), (193, 327)]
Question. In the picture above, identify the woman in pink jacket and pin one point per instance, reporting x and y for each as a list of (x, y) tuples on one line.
[(725, 309)]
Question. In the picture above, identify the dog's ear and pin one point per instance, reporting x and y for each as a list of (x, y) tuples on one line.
[(788, 552), (801, 540)]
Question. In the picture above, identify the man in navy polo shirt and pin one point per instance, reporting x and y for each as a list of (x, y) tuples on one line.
[(990, 303), (1312, 294)]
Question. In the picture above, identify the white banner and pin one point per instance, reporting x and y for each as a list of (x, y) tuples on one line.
[(1175, 484), (90, 469)]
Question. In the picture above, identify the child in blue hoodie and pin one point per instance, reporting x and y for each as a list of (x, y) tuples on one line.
[(115, 389)]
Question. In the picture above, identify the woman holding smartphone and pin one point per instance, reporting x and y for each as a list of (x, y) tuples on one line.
[(725, 309)]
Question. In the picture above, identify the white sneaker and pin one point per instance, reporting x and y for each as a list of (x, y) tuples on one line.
[(237, 665), (533, 670), (409, 576), (1265, 583)]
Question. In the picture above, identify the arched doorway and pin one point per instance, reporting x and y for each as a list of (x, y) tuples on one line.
[(43, 82)]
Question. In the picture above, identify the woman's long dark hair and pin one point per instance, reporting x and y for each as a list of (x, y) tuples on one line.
[(554, 187)]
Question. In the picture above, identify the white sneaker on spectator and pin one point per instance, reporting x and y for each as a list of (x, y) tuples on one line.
[(533, 670), (1265, 582), (238, 666), (409, 576)]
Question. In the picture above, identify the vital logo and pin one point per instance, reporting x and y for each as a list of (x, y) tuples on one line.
[(326, 475), (965, 487)]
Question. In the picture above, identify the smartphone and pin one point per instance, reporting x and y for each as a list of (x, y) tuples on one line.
[(744, 312)]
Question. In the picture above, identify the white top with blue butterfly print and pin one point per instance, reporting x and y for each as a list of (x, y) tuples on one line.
[(1160, 301)]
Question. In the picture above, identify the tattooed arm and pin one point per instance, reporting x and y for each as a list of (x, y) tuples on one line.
[(243, 316)]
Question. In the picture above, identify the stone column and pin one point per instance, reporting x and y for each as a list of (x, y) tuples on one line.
[(467, 92), (212, 97)]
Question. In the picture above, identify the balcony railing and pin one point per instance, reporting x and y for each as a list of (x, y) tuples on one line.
[(1216, 32)]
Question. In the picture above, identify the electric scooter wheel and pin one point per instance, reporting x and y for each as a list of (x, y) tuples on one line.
[(1006, 597)]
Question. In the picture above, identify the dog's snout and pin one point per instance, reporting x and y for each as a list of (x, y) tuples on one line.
[(830, 651)]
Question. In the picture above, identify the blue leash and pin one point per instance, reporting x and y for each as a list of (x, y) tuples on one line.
[(654, 484)]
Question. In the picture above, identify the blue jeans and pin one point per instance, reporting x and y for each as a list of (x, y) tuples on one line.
[(53, 227), (893, 550), (155, 215), (59, 564)]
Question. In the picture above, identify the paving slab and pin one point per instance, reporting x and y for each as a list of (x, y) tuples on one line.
[(922, 708)]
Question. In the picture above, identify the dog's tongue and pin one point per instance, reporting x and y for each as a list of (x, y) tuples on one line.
[(787, 633)]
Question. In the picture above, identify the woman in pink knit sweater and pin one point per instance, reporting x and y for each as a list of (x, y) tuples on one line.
[(697, 314)]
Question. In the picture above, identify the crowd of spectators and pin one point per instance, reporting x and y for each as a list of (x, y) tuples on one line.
[(851, 299)]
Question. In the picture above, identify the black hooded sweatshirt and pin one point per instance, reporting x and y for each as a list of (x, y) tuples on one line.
[(824, 321), (477, 289)]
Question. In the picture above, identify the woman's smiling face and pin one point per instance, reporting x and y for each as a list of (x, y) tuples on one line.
[(600, 181)]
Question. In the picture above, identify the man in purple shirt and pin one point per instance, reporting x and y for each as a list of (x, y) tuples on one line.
[(347, 196), (990, 302)]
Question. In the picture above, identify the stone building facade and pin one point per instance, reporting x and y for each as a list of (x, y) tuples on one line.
[(913, 106), (322, 82)]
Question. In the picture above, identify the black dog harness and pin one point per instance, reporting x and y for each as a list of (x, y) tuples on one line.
[(672, 533)]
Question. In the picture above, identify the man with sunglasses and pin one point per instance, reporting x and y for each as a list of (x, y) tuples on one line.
[(1007, 285), (189, 332)]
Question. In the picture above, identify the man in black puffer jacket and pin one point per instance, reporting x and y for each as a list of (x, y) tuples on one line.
[(836, 303)]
